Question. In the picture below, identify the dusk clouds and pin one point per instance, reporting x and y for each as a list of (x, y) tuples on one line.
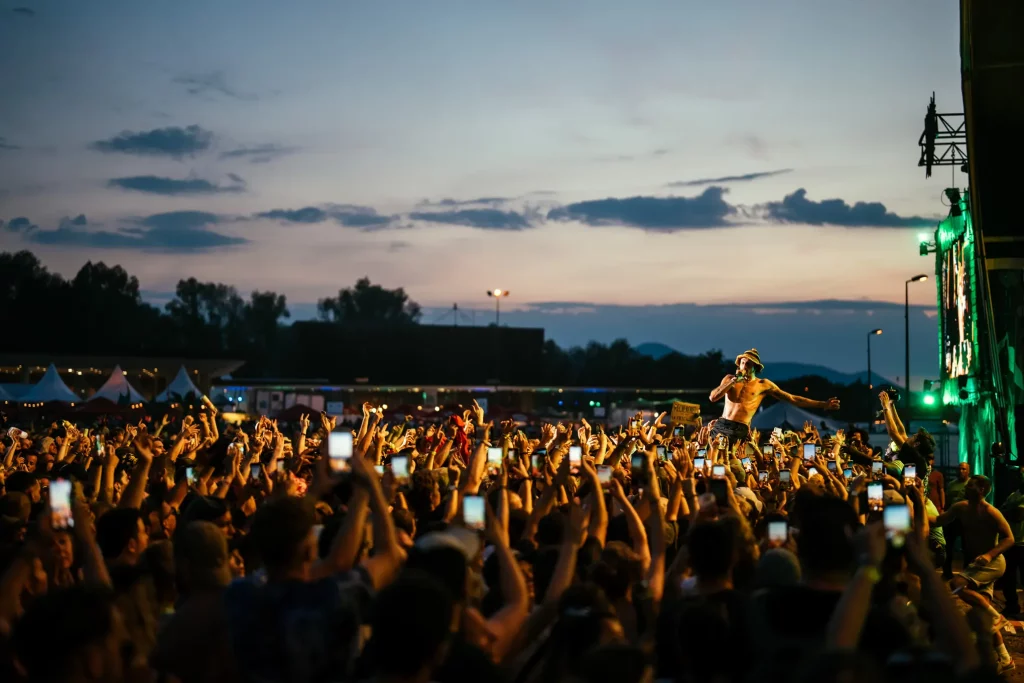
[(485, 219), (746, 177), (175, 231), (174, 142), (796, 208), (152, 184), (259, 154), (707, 210), (349, 216)]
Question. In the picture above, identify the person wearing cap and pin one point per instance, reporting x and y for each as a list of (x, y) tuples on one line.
[(743, 393)]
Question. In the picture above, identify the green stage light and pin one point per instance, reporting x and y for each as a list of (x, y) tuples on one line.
[(929, 399)]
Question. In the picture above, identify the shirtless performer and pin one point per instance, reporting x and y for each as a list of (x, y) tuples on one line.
[(743, 394), (986, 536)]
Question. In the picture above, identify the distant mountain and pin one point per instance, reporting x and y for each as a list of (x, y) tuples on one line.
[(654, 350), (781, 372)]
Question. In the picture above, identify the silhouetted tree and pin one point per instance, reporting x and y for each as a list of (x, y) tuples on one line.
[(369, 303)]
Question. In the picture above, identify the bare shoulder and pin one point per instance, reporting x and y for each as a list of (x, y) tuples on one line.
[(993, 512), (958, 508), (767, 386)]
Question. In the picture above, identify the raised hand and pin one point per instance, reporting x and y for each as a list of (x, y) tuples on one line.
[(478, 413), (832, 404)]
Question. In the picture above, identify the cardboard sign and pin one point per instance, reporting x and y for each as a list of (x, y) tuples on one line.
[(685, 413)]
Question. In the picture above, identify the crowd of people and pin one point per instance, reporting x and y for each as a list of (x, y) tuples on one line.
[(185, 549)]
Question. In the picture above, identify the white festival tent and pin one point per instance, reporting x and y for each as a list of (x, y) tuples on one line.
[(117, 388), (50, 388), (785, 414), (180, 387)]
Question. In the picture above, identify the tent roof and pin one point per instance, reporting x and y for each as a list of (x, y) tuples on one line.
[(787, 414), (4, 396), (181, 386), (50, 388), (117, 389)]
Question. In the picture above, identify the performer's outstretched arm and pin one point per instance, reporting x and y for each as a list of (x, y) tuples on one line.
[(723, 388), (775, 392)]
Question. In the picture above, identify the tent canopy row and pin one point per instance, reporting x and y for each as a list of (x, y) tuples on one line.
[(117, 390)]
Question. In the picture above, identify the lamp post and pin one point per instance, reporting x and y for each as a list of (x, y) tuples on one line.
[(872, 333), (497, 294), (906, 334)]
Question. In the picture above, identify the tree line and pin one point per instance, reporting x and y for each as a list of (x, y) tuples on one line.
[(100, 311)]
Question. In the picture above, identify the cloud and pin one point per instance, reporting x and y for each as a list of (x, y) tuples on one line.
[(6, 145), (614, 158), (24, 11), (19, 224), (729, 178), (348, 215), (172, 142), (212, 82), (70, 223), (707, 210), (175, 232), (260, 154), (152, 184), (489, 201), (487, 219), (398, 246), (796, 208)]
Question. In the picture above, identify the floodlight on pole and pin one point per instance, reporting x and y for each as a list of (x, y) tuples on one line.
[(872, 333), (497, 294)]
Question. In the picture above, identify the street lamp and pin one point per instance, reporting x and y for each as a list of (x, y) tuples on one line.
[(906, 333), (497, 294), (872, 333)]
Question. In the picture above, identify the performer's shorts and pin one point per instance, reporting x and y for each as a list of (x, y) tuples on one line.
[(733, 430), (983, 577)]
